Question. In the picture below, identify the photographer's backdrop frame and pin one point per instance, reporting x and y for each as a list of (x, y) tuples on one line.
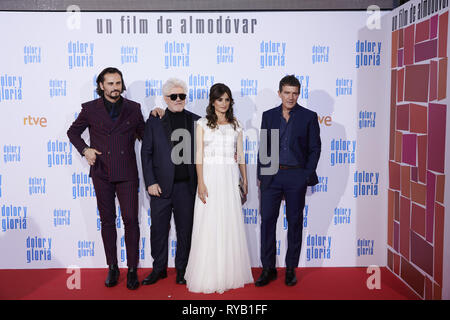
[(418, 230), (49, 66)]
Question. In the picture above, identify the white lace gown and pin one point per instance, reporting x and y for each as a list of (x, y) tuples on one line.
[(219, 258)]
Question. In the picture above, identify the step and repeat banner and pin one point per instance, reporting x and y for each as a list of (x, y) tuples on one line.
[(48, 66)]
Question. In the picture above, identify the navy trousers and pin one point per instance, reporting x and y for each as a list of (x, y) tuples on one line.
[(127, 193), (290, 183), (182, 203)]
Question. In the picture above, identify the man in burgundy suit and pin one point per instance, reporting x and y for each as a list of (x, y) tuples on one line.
[(114, 124)]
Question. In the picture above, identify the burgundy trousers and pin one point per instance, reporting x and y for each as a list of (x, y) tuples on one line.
[(127, 193)]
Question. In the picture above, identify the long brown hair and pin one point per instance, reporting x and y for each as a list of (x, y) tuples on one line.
[(216, 91)]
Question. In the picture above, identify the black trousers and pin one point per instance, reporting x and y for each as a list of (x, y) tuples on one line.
[(181, 203)]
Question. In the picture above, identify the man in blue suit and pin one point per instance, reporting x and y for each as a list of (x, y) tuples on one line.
[(170, 179), (297, 134)]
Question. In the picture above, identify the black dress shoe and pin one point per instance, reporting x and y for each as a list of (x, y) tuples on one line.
[(291, 279), (180, 276), (155, 276), (113, 275), (267, 275), (132, 279)]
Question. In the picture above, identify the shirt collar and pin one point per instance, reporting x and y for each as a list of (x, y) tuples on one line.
[(109, 103), (293, 110)]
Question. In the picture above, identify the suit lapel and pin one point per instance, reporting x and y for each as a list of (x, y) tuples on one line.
[(104, 118), (123, 114), (298, 122), (167, 127), (276, 118), (274, 124), (188, 123)]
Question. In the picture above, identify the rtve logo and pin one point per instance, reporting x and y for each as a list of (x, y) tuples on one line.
[(325, 120), (35, 121)]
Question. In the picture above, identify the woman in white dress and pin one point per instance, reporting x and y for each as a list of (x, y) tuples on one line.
[(219, 258)]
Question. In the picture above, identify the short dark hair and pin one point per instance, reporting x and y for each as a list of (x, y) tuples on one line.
[(289, 80), (101, 78)]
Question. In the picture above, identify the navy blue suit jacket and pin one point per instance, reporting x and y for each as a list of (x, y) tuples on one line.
[(157, 164), (305, 141)]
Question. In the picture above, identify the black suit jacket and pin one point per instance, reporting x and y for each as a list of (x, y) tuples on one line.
[(156, 153)]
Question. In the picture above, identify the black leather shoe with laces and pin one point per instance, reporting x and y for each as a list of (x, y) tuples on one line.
[(267, 275), (154, 277)]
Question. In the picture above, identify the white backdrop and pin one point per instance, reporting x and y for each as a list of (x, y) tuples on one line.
[(48, 67)]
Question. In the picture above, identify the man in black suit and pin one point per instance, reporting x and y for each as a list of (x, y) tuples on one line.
[(286, 173), (170, 179)]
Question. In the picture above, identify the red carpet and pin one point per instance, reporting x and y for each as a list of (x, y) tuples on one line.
[(313, 283)]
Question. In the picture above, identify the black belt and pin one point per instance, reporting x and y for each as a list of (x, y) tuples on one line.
[(283, 167)]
